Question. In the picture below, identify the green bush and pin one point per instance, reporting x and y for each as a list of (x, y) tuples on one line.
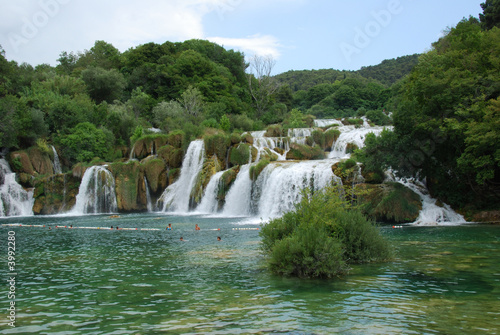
[(321, 237), (240, 154)]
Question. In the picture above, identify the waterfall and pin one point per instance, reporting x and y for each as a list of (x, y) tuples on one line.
[(278, 188), (57, 164), (432, 214), (238, 199), (176, 196), (14, 200), (261, 143), (149, 204), (327, 122), (352, 135), (96, 193), (299, 135), (209, 203)]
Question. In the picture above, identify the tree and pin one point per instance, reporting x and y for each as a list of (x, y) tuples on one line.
[(261, 84), (491, 14), (103, 85), (86, 142), (192, 101)]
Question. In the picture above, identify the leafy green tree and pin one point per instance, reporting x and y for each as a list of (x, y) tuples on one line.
[(104, 85), (192, 101), (225, 123), (491, 14), (85, 142)]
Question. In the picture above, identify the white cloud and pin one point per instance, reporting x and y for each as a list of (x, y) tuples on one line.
[(261, 45)]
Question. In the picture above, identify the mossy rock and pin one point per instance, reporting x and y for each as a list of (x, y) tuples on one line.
[(267, 154), (171, 155), (256, 169), (247, 138), (20, 162), (41, 161), (389, 202), (331, 136), (55, 194), (217, 144), (154, 169), (319, 138), (130, 194), (235, 138), (173, 175), (275, 130), (304, 152), (210, 167), (176, 139)]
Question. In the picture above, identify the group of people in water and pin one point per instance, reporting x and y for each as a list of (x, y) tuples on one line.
[(196, 227)]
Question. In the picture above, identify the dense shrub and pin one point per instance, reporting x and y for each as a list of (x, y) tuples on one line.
[(321, 237)]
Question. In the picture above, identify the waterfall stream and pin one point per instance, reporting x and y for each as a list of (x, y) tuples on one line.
[(176, 197), (57, 164), (14, 200), (97, 192)]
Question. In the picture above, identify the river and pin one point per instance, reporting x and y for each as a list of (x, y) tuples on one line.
[(443, 280)]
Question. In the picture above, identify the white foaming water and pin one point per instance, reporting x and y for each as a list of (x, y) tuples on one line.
[(278, 188), (57, 164), (432, 214), (14, 200), (209, 203), (299, 135), (176, 197), (352, 135), (97, 192), (327, 122), (261, 143), (238, 199)]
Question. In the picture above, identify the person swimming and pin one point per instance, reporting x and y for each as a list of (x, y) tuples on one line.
[(169, 226), (196, 227), (218, 238)]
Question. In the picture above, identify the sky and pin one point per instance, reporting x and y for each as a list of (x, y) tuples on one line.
[(297, 34)]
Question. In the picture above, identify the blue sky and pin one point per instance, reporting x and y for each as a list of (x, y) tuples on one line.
[(298, 34)]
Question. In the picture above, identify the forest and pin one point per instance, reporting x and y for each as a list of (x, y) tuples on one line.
[(444, 104)]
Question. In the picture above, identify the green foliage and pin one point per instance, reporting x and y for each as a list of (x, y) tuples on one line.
[(217, 144), (296, 119), (321, 237), (378, 117), (225, 123), (240, 154), (85, 142), (103, 85), (491, 14)]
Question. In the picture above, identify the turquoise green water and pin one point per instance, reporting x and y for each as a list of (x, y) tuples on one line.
[(444, 280)]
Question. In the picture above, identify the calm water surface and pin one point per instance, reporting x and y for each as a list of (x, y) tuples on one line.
[(444, 280)]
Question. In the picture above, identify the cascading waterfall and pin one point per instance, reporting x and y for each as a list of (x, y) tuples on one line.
[(97, 192), (327, 122), (280, 185), (176, 197), (57, 164), (432, 214), (238, 199), (299, 135), (149, 203), (209, 202), (352, 135), (14, 200)]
